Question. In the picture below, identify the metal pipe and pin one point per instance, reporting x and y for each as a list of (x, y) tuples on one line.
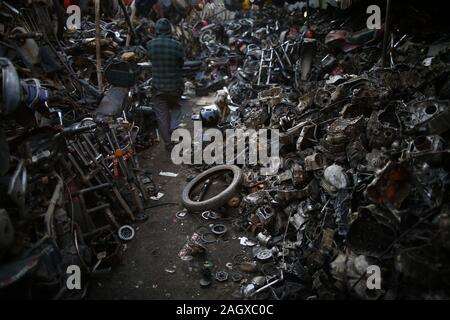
[(78, 147), (52, 205), (111, 217), (123, 203), (307, 13), (84, 177), (98, 45), (98, 208), (94, 188), (137, 199), (128, 21), (266, 286), (98, 230)]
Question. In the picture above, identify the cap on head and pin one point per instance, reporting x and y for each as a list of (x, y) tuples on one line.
[(163, 26)]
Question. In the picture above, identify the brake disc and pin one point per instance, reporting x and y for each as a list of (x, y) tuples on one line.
[(264, 254)]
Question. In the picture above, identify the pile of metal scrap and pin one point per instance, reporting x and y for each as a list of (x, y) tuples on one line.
[(72, 188), (251, 50), (364, 175)]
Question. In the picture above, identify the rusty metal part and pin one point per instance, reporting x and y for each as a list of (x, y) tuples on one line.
[(314, 162), (430, 116), (391, 186)]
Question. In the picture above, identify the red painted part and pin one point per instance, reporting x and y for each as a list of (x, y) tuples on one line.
[(68, 3), (336, 35)]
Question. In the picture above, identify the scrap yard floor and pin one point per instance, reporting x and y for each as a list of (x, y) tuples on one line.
[(151, 268)]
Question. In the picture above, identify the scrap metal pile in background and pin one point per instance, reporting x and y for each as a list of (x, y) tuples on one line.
[(364, 158), (72, 188)]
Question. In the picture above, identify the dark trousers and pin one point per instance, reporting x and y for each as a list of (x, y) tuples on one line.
[(168, 112)]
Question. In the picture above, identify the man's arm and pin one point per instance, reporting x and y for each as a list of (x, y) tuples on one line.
[(149, 49)]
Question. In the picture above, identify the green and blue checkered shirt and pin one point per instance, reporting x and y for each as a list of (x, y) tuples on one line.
[(167, 57)]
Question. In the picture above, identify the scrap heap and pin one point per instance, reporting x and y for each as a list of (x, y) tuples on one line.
[(364, 177), (72, 188)]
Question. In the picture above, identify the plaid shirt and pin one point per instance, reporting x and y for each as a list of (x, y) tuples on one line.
[(167, 56)]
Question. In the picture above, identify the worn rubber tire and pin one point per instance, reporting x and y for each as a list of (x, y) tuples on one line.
[(218, 200)]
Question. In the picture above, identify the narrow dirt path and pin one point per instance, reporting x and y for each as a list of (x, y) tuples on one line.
[(151, 268)]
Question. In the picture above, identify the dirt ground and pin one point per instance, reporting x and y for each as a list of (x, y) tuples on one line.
[(151, 268)]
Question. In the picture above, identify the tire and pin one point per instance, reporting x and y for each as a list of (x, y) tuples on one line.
[(218, 200)]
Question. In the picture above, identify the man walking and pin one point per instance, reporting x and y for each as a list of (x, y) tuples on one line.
[(167, 57)]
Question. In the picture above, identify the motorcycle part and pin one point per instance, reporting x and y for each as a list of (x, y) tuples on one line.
[(428, 116), (209, 116), (181, 215), (28, 48), (265, 214), (221, 276), (391, 185), (218, 200), (219, 229), (122, 74), (126, 233), (264, 239), (264, 254), (113, 102), (11, 89), (206, 274)]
